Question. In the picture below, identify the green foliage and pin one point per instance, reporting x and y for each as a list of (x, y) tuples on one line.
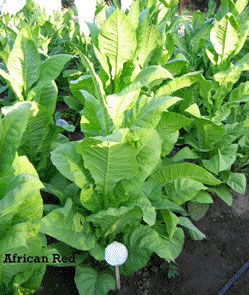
[(165, 121)]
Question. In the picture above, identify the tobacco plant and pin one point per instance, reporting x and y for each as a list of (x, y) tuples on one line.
[(124, 187)]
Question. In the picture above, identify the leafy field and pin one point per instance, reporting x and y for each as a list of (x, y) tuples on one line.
[(126, 135)]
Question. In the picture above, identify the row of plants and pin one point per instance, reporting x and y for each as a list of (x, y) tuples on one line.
[(165, 121)]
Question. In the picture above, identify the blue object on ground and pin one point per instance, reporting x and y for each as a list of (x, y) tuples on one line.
[(234, 278)]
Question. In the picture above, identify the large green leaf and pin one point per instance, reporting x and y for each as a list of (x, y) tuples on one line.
[(99, 92), (91, 200), (47, 96), (148, 110), (237, 181), (193, 231), (92, 121), (50, 70), (183, 189), (39, 135), (24, 61), (68, 226), (184, 170), (16, 238), (92, 282), (148, 39), (170, 220), (142, 201), (12, 128), (241, 5), (21, 203), (119, 103), (143, 241), (171, 122), (109, 161), (14, 275), (17, 88), (151, 74), (223, 192), (222, 160), (69, 163), (179, 83), (117, 40), (168, 142), (240, 93), (133, 14), (148, 146), (116, 220), (225, 36), (205, 135), (84, 82)]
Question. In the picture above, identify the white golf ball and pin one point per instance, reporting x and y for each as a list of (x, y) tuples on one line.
[(116, 254)]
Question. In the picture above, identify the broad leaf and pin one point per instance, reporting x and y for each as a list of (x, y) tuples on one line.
[(237, 181), (69, 163), (148, 110), (183, 189), (116, 220), (92, 282), (24, 61), (184, 170), (170, 220), (117, 40), (50, 70), (223, 192), (108, 162), (143, 241), (68, 226), (193, 231), (179, 83), (12, 128), (148, 146), (148, 39), (225, 36)]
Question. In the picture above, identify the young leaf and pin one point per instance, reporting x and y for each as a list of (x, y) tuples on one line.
[(222, 160), (223, 192), (99, 91), (225, 36), (237, 181), (117, 40), (24, 61), (193, 231), (171, 221), (116, 220), (148, 110), (148, 39), (108, 162), (92, 282)]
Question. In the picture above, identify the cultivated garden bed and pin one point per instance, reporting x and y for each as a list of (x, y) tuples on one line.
[(136, 134)]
